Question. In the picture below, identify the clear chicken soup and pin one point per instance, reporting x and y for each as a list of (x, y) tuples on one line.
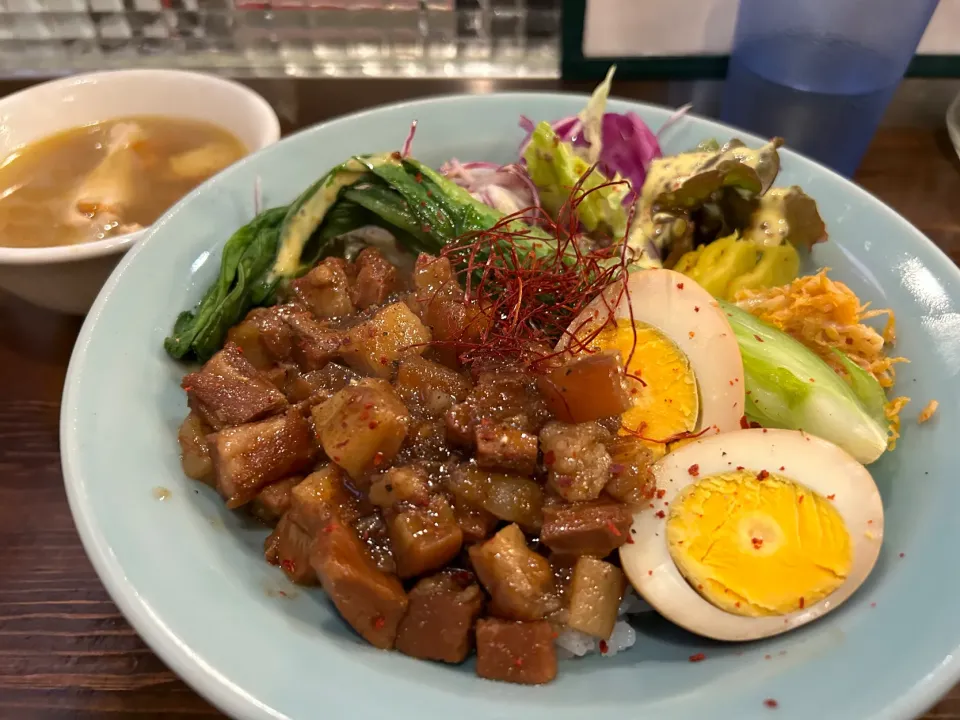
[(110, 178)]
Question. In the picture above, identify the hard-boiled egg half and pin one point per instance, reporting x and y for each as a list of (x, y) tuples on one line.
[(754, 532), (680, 355)]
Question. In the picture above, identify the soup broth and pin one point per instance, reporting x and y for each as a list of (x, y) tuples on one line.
[(106, 179)]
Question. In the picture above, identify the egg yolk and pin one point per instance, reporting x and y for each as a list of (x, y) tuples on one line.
[(758, 545), (662, 384)]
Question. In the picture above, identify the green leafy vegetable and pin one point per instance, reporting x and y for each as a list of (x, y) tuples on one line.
[(556, 169), (786, 215), (789, 386), (243, 282), (420, 208)]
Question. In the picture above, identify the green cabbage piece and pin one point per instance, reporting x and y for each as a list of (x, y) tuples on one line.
[(789, 386), (555, 169)]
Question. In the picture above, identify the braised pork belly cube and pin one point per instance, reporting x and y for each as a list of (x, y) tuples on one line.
[(595, 594), (460, 427), (576, 459), (429, 386), (520, 581), (297, 386), (501, 447), (440, 618), (433, 276), (248, 457), (376, 279), (273, 334), (586, 388), (371, 601), (511, 498), (324, 496), (374, 347), (424, 538), (375, 536), (315, 343), (273, 501), (194, 449), (325, 289), (426, 441), (517, 652), (362, 427), (246, 336), (332, 377), (230, 391), (475, 524), (505, 398), (292, 550), (591, 528), (631, 480), (406, 484)]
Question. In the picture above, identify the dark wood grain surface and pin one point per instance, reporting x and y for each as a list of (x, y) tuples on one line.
[(65, 650)]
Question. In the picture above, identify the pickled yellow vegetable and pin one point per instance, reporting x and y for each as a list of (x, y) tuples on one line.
[(730, 264), (777, 266)]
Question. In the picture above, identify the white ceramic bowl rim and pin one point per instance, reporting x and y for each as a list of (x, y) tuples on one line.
[(120, 243)]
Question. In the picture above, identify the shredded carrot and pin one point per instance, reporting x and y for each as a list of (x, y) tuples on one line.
[(928, 411), (824, 315)]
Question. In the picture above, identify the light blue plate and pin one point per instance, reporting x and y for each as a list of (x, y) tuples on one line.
[(190, 576)]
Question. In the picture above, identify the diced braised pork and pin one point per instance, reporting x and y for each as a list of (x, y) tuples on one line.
[(586, 388), (406, 484), (248, 457), (375, 536), (517, 652), (576, 459), (324, 496), (475, 524), (520, 581), (315, 342), (230, 391), (274, 334), (325, 289), (439, 621), (595, 594), (246, 336), (273, 501), (376, 279), (332, 377), (426, 441), (508, 497), (293, 548), (430, 386), (424, 538), (594, 528), (372, 601), (362, 427), (501, 447), (376, 346), (631, 480), (507, 398), (433, 276), (460, 428), (194, 450)]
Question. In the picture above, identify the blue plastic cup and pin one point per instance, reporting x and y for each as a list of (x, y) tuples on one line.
[(820, 73)]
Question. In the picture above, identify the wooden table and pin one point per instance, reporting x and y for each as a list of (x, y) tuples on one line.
[(65, 650)]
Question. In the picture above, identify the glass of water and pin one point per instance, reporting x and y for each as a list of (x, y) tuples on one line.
[(820, 73)]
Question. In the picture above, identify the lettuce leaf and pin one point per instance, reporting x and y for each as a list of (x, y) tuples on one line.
[(556, 168), (789, 386)]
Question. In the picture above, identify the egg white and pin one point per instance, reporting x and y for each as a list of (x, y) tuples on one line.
[(689, 316), (816, 464)]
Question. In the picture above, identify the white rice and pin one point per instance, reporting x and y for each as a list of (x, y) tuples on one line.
[(573, 643)]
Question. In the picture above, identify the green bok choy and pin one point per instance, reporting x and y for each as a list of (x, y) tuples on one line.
[(789, 386)]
